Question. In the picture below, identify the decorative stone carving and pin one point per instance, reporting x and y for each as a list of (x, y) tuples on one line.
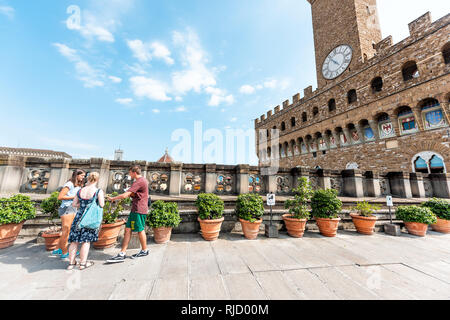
[(336, 183), (255, 184), (224, 183), (159, 182), (37, 181), (121, 181), (284, 185), (192, 183)]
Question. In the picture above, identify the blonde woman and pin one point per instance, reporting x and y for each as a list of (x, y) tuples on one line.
[(84, 236), (66, 211)]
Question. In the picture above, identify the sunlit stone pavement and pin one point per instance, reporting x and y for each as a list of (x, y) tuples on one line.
[(350, 266)]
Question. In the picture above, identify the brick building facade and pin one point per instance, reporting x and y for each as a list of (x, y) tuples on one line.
[(379, 106)]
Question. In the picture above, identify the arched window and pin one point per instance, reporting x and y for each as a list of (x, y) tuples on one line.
[(283, 126), (331, 105), (377, 85), (428, 162), (410, 71), (304, 117), (293, 122), (315, 111), (406, 120), (432, 114), (352, 96), (446, 53)]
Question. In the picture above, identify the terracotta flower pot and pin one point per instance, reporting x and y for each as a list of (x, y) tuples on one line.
[(328, 227), (162, 235), (250, 229), (107, 237), (364, 225), (417, 228), (441, 225), (51, 240), (211, 228), (9, 233), (295, 227)]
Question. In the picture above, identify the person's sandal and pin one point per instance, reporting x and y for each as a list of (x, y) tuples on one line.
[(71, 266), (86, 265)]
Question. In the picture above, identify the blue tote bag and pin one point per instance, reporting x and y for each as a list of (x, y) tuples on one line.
[(93, 216)]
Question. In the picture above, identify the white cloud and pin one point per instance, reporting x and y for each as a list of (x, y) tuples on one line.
[(88, 75), (181, 109), (219, 96), (247, 89), (234, 119), (124, 101), (196, 76), (178, 99), (156, 111), (115, 79), (149, 88), (7, 11), (144, 52)]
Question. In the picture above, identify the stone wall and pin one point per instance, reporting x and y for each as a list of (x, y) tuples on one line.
[(43, 176)]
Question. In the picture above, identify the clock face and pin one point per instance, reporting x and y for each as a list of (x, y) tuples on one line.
[(337, 62)]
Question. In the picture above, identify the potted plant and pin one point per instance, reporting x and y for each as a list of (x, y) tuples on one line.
[(364, 220), (441, 208), (111, 224), (163, 217), (326, 207), (416, 219), (299, 213), (250, 209), (14, 212), (210, 215), (53, 233)]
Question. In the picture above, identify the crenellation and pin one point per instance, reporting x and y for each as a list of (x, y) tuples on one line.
[(420, 25), (277, 109), (383, 45), (296, 98)]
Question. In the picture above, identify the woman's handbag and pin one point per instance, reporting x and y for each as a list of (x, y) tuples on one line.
[(92, 217)]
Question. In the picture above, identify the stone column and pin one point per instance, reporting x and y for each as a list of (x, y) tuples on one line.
[(59, 174), (242, 175), (360, 131), (211, 177), (400, 185), (348, 136), (418, 116), (441, 184), (337, 139), (298, 172), (353, 183), (417, 186), (12, 170), (373, 184), (176, 169), (102, 167), (374, 126), (324, 178)]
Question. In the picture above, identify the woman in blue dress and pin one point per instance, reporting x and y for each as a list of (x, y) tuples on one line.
[(84, 197)]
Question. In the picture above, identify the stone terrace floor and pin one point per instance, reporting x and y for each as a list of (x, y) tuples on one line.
[(350, 266)]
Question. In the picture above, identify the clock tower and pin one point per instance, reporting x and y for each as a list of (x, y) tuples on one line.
[(344, 34)]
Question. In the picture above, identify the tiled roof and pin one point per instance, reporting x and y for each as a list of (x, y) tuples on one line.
[(166, 158), (40, 153)]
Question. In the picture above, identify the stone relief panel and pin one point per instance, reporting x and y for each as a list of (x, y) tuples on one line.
[(121, 181), (192, 183), (159, 182), (37, 181), (284, 185), (384, 186), (255, 184), (225, 184), (314, 182), (336, 184)]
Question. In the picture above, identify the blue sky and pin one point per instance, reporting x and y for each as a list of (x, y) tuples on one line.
[(132, 72)]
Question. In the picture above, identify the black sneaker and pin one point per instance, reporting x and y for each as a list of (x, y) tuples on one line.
[(142, 253), (117, 259)]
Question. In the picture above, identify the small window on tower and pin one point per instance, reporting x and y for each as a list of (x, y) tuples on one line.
[(377, 85), (410, 71), (352, 96)]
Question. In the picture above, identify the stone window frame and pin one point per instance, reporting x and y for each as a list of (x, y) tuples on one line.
[(304, 117), (427, 156), (332, 105), (446, 53), (352, 96), (410, 71), (315, 112), (293, 122), (376, 87)]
